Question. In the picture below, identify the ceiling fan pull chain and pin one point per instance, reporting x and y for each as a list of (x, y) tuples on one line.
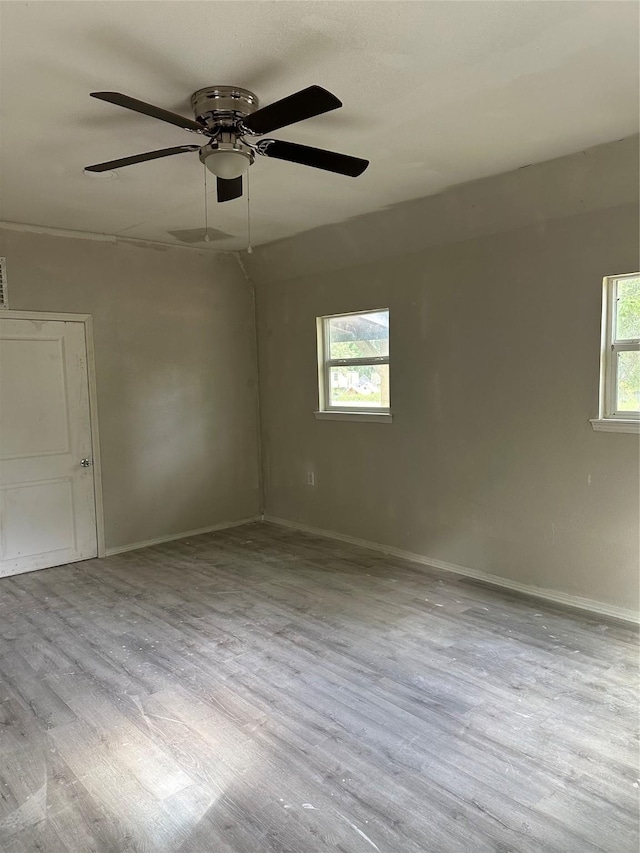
[(249, 248), (207, 238)]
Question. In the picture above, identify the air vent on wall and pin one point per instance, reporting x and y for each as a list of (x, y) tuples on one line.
[(4, 296)]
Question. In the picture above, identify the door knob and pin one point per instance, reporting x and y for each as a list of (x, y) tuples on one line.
[(86, 463)]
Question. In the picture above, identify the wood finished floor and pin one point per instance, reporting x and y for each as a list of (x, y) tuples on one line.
[(261, 690)]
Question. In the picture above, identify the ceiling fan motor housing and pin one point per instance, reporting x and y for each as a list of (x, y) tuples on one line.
[(217, 106)]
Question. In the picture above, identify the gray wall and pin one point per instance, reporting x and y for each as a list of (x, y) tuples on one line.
[(495, 297), (175, 369)]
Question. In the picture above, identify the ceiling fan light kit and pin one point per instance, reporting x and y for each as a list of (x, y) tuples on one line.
[(228, 115), (227, 159)]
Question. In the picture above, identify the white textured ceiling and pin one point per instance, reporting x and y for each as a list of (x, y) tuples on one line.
[(434, 93)]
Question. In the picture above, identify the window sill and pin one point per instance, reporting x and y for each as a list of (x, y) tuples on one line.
[(358, 417), (616, 425)]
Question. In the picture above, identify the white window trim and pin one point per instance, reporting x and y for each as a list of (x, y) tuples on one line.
[(362, 414), (610, 420), (356, 417), (615, 425)]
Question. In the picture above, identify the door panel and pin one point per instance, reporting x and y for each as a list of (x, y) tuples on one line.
[(47, 499), (34, 415), (38, 518)]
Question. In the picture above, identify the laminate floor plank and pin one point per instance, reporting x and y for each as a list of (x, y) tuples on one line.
[(260, 690)]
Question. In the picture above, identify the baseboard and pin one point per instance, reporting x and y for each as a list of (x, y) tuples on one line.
[(573, 601), (223, 526)]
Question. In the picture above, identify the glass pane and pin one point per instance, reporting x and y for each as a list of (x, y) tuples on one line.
[(362, 385), (628, 382), (628, 308), (359, 335)]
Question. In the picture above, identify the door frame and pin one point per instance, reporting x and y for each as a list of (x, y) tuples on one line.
[(87, 321)]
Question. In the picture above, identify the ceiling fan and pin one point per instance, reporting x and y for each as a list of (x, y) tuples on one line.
[(227, 115)]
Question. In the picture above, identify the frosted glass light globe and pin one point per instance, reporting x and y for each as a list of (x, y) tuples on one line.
[(227, 164)]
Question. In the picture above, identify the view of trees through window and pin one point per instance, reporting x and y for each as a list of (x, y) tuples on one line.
[(359, 336), (628, 328), (361, 385)]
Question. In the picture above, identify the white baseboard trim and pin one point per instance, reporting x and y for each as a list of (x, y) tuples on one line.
[(574, 601), (222, 526)]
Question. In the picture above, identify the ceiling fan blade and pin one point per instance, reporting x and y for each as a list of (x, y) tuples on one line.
[(140, 158), (228, 189), (149, 110), (343, 164), (307, 103)]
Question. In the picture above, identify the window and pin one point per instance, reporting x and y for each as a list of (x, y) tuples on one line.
[(353, 364), (620, 359)]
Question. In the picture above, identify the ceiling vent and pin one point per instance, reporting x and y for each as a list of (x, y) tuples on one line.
[(199, 235), (4, 296)]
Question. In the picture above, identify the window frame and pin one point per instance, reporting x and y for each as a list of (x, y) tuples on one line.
[(325, 364), (610, 349)]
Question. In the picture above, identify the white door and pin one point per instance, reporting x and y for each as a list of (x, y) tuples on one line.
[(47, 499)]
